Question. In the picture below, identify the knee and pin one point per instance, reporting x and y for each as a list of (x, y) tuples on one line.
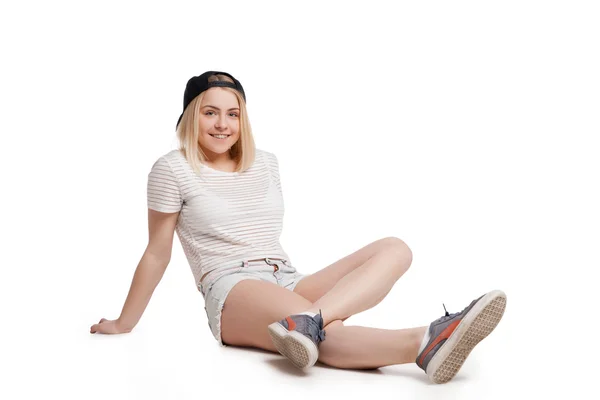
[(400, 249), (396, 244)]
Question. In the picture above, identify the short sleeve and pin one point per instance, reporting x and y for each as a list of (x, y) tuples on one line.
[(274, 167), (163, 193)]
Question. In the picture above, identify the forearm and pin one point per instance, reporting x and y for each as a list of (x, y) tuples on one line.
[(147, 275)]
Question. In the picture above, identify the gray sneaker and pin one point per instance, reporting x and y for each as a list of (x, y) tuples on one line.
[(453, 336), (297, 337)]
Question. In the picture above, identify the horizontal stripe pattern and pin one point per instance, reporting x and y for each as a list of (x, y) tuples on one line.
[(225, 218)]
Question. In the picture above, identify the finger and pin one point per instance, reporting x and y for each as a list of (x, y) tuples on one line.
[(99, 328)]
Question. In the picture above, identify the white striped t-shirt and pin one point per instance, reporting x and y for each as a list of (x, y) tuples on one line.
[(224, 217)]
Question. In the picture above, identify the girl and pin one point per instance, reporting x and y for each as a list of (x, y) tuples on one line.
[(223, 197)]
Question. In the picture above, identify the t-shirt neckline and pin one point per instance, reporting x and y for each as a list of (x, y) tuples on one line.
[(219, 171)]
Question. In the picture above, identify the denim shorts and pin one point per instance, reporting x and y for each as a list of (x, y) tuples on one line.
[(216, 285)]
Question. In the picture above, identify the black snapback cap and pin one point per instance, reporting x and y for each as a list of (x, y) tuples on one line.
[(200, 83)]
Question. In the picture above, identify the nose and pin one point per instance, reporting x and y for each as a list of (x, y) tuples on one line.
[(221, 124)]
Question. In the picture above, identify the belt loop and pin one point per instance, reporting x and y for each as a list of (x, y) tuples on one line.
[(268, 260)]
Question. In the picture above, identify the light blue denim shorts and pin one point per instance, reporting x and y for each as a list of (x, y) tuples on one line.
[(216, 285)]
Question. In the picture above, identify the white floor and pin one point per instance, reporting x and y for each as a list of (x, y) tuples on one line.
[(172, 355)]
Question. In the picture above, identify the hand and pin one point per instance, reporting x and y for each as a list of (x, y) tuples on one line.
[(108, 326)]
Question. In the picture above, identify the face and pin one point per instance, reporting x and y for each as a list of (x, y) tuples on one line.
[(219, 115)]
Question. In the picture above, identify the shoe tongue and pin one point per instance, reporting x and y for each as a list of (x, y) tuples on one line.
[(318, 319), (446, 317), (320, 331)]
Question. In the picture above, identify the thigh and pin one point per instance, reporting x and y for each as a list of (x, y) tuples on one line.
[(251, 306), (315, 285)]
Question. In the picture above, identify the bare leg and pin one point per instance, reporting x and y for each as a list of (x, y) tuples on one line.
[(359, 347), (252, 305), (365, 286)]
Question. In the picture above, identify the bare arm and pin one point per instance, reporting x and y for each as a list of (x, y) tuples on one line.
[(149, 272), (147, 275)]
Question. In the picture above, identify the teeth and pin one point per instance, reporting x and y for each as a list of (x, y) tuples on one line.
[(220, 136)]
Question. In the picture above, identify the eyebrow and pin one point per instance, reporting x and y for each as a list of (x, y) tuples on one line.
[(217, 108)]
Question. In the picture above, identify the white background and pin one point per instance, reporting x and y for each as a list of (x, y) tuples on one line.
[(467, 129)]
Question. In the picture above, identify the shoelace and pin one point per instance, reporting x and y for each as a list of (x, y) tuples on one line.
[(319, 327), (447, 315)]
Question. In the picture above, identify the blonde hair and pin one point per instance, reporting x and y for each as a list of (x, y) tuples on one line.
[(243, 151)]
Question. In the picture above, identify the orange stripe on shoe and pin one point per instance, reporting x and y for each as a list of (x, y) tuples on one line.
[(444, 335), (291, 324)]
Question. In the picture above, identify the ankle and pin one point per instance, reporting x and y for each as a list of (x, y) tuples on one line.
[(310, 313), (419, 338), (315, 311)]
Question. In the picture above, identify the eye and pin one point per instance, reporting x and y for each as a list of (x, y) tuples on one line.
[(206, 113), (234, 114)]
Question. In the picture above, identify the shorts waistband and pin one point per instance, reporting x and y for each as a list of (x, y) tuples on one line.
[(268, 260), (217, 273)]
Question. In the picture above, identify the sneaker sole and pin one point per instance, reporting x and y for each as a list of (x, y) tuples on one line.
[(479, 322), (299, 349)]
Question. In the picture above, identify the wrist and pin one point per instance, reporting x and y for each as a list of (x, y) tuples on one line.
[(123, 325)]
